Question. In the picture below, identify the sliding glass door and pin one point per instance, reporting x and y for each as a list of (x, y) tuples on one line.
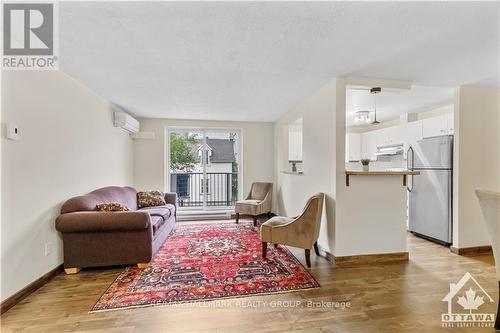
[(204, 167)]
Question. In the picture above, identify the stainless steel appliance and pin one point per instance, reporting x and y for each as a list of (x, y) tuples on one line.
[(430, 193)]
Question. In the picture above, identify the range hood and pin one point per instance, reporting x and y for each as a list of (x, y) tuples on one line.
[(390, 150)]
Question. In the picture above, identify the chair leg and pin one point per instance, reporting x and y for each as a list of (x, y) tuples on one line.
[(264, 250), (308, 257), (316, 249), (255, 221), (237, 217), (497, 321)]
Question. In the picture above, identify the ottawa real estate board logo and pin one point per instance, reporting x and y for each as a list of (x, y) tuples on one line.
[(465, 299), (30, 32)]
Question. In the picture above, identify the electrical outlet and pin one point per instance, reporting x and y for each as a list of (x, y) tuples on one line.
[(48, 248)]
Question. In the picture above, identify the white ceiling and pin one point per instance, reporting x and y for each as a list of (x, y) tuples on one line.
[(256, 60), (390, 105)]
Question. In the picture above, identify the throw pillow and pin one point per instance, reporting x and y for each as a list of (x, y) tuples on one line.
[(150, 198), (111, 207)]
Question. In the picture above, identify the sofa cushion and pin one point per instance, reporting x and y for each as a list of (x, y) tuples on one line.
[(150, 198), (164, 211), (111, 207), (157, 222)]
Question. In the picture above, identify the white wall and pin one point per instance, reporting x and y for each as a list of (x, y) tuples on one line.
[(350, 224), (258, 151), (318, 152), (476, 160), (68, 146)]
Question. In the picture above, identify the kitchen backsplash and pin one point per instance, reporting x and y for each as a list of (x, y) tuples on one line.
[(383, 163)]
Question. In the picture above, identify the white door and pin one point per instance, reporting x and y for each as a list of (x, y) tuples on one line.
[(204, 167)]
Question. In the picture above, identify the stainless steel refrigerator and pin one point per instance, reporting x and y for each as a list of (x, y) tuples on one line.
[(430, 193)]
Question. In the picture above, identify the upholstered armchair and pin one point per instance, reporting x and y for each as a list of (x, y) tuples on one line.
[(259, 201), (490, 205), (301, 231)]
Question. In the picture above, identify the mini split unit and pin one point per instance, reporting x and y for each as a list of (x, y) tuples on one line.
[(126, 121)]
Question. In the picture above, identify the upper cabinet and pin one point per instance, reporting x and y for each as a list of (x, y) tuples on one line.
[(352, 147), (295, 141), (365, 145), (369, 145), (412, 131), (436, 126), (385, 136), (451, 123)]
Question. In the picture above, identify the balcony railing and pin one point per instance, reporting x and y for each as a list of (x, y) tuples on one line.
[(219, 188)]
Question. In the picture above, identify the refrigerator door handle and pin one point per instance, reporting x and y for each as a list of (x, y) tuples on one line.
[(410, 182), (409, 166), (410, 155)]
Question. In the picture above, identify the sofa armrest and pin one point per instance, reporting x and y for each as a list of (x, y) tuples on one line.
[(102, 221), (171, 198)]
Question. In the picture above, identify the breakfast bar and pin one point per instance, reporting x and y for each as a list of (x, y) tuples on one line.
[(404, 173), (373, 206)]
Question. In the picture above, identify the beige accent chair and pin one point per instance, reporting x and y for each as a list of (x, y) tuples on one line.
[(301, 231), (259, 201), (490, 205)]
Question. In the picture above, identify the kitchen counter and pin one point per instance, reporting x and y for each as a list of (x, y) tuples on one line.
[(388, 172)]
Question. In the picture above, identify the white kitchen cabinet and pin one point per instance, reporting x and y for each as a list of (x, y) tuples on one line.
[(369, 145), (451, 123), (295, 144), (382, 137), (398, 134), (352, 147), (390, 136), (412, 132), (435, 126)]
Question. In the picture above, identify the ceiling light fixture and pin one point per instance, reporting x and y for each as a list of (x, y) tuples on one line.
[(362, 117), (374, 91)]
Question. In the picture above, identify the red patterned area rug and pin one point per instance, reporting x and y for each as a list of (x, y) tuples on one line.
[(201, 262)]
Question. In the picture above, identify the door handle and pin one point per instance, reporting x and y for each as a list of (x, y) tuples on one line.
[(409, 156), (408, 188), (409, 166)]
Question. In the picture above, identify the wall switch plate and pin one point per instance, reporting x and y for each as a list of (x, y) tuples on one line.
[(12, 132), (48, 249)]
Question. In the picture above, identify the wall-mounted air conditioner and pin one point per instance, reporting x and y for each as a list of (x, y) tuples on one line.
[(126, 121)]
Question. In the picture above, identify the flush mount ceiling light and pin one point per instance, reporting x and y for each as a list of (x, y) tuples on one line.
[(362, 117), (374, 91)]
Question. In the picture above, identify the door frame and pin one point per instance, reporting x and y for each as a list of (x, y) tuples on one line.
[(166, 160)]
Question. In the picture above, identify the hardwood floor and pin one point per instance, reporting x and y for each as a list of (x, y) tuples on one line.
[(396, 297)]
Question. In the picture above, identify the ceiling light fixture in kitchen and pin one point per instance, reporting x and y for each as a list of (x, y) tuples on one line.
[(362, 117), (374, 91)]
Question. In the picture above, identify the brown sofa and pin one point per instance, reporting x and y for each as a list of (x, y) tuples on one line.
[(92, 238)]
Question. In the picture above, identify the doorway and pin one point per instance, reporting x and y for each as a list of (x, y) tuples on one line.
[(203, 168)]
